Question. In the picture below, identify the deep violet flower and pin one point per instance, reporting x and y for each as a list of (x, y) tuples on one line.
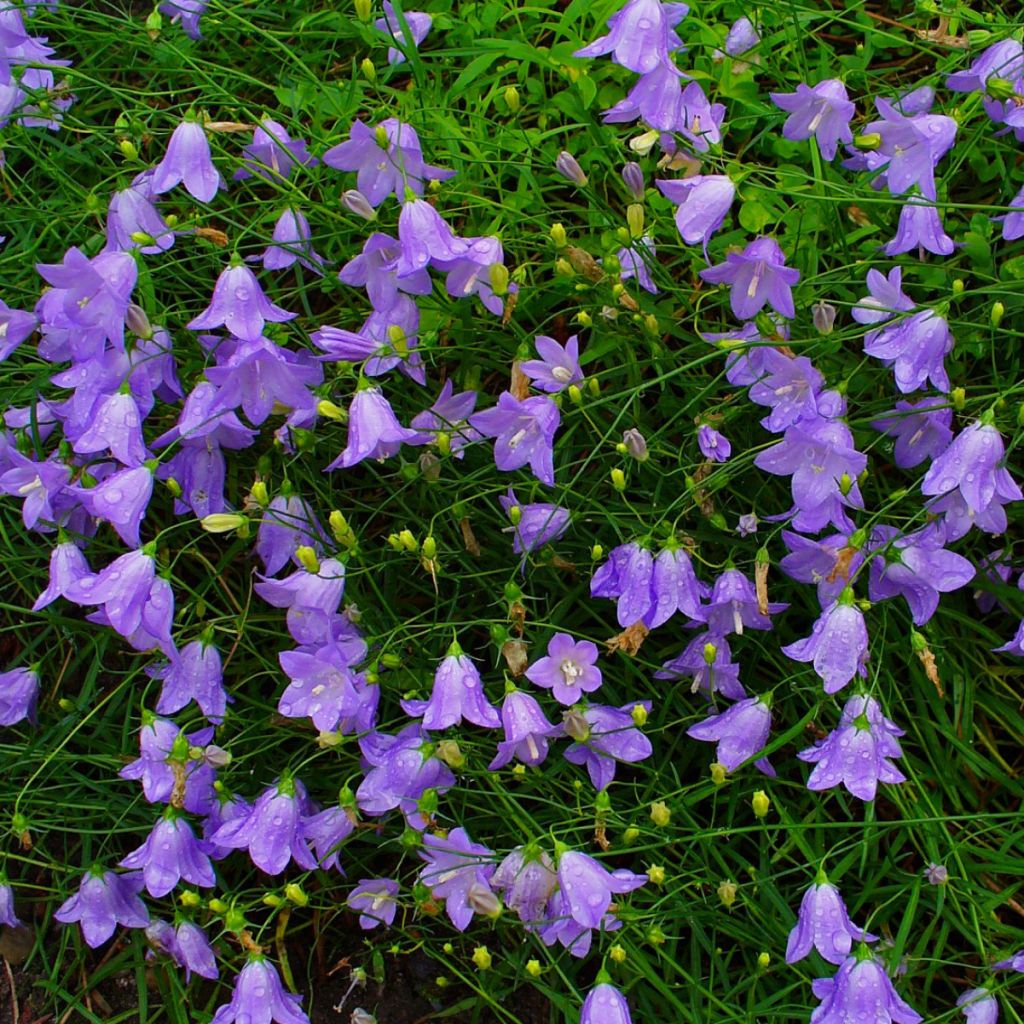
[(458, 871), (641, 35), (569, 669), (188, 161), (860, 986), (170, 853), (273, 153), (19, 692), (259, 998), (418, 23), (823, 924), (557, 367), (458, 694), (757, 276), (104, 901), (703, 203), (838, 644), (828, 563), (524, 432), (857, 753), (605, 736), (605, 1004), (373, 430), (733, 606), (239, 304), (823, 110), (740, 731), (375, 900)]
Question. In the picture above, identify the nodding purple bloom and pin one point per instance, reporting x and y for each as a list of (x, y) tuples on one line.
[(7, 915), (273, 154), (746, 525), (376, 270), (324, 688), (259, 998), (170, 853), (704, 201), (707, 659), (587, 886), (569, 669), (292, 241), (116, 427), (388, 159), (827, 563), (470, 273), (187, 945), (823, 924), (558, 366), (121, 500), (741, 731), (288, 523), (194, 673), (979, 1006), (15, 326), (789, 386), (458, 694), (656, 98), (187, 13), (375, 900), (605, 1004), (188, 161), (856, 754), (240, 305), (38, 484), (425, 236), (527, 878), (1004, 59), (712, 444), (635, 261), (524, 432), (373, 430), (674, 588), (915, 348), (326, 830), (402, 768), (1013, 223), (1013, 963), (312, 599), (122, 588), (922, 429), (641, 35), (838, 644), (971, 469), (916, 567), (162, 748), (131, 212), (448, 415), (271, 831), (860, 987), (539, 524), (733, 606), (526, 731), (757, 276), (742, 37), (626, 578), (920, 227), (104, 901), (19, 692), (823, 110), (700, 121), (419, 25), (885, 299), (604, 736), (458, 871)]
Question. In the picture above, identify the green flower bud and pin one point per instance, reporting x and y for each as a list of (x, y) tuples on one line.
[(618, 479), (512, 99), (307, 558), (727, 893), (369, 72), (660, 814), (128, 149), (959, 397), (760, 803), (482, 958), (631, 835), (498, 276), (656, 874), (635, 219), (996, 316), (868, 143), (294, 893), (558, 236)]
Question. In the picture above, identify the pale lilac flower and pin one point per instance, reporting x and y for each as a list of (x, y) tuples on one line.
[(1004, 59), (823, 924), (448, 415), (327, 830), (170, 853), (539, 523), (325, 688), (922, 430), (823, 110), (605, 1004), (838, 644), (273, 153), (187, 13), (19, 692), (122, 588), (790, 386), (163, 747), (741, 732), (528, 880), (635, 444), (1013, 222), (524, 432), (742, 37), (569, 669), (635, 260), (1013, 963), (936, 874), (312, 599), (15, 326), (757, 276), (885, 298), (292, 241), (187, 945), (418, 26), (458, 694), (455, 870), (604, 736), (657, 98), (915, 347), (641, 35), (700, 121), (402, 768), (375, 899), (193, 673), (569, 168), (703, 203), (131, 212), (188, 161), (424, 236), (38, 484), (707, 660), (7, 915), (288, 523), (104, 901), (746, 526), (733, 606), (857, 753), (588, 886), (818, 562), (240, 305), (373, 430), (116, 427), (387, 338), (860, 987), (558, 366), (626, 578), (526, 731), (920, 227), (121, 500), (259, 998), (470, 273), (712, 444), (376, 269), (823, 315), (979, 1006)]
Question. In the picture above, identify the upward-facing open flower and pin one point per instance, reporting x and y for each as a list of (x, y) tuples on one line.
[(569, 669), (641, 35), (758, 275), (921, 429), (823, 924), (375, 899), (240, 305), (259, 998), (838, 644), (823, 110), (103, 901), (524, 432), (376, 270), (458, 694), (558, 366), (188, 161)]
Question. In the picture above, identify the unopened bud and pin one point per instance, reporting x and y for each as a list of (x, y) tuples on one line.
[(763, 960), (260, 494), (656, 874), (512, 99), (655, 936), (710, 652), (845, 484), (217, 906), (575, 395), (429, 547), (294, 893), (568, 166), (558, 235), (563, 268), (959, 397), (451, 753), (408, 541), (639, 715), (533, 968), (718, 772), (307, 558), (760, 803), (643, 144), (635, 220), (727, 893), (597, 551), (576, 726), (137, 322), (482, 900), (173, 486), (824, 316), (651, 325), (584, 319), (369, 72), (355, 202), (363, 9), (631, 835), (1000, 88), (190, 898), (868, 143), (660, 814), (223, 522), (498, 275), (635, 444), (996, 316), (128, 150), (633, 176), (482, 958), (618, 479), (154, 22)]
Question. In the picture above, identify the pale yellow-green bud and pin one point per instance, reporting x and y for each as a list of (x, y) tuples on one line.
[(763, 960), (639, 715), (635, 219), (128, 149), (563, 268), (512, 99), (218, 906), (363, 9), (643, 144), (575, 395), (395, 542), (958, 286), (482, 958), (651, 324), (190, 898), (368, 70), (618, 479), (294, 893), (429, 547), (593, 386), (760, 803), (448, 948), (718, 773), (584, 319), (259, 493), (660, 814), (558, 235), (515, 515), (617, 953), (727, 893), (173, 486), (408, 541), (498, 275), (271, 899), (339, 525), (444, 443), (533, 968), (959, 397), (996, 316), (656, 874), (451, 753), (223, 522), (597, 552), (333, 412), (307, 558)]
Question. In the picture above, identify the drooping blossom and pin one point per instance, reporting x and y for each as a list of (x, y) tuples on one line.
[(312, 599), (741, 38), (569, 669), (7, 915), (288, 523), (605, 1004), (326, 689), (1004, 59), (425, 237), (857, 753), (740, 731), (376, 270), (635, 261), (449, 415), (387, 338), (240, 305), (259, 997), (527, 731), (402, 768), (604, 736), (979, 1006), (587, 886), (789, 386), (539, 523), (823, 111), (922, 429), (292, 242), (641, 35), (920, 227), (458, 871), (712, 444), (829, 563), (373, 430), (703, 203), (707, 660), (458, 694), (165, 755), (19, 693), (823, 924), (838, 644), (188, 162), (527, 879), (187, 945), (470, 273), (186, 13), (375, 900), (860, 987), (273, 154), (193, 673), (104, 901), (418, 23), (733, 606), (170, 853), (757, 276)]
